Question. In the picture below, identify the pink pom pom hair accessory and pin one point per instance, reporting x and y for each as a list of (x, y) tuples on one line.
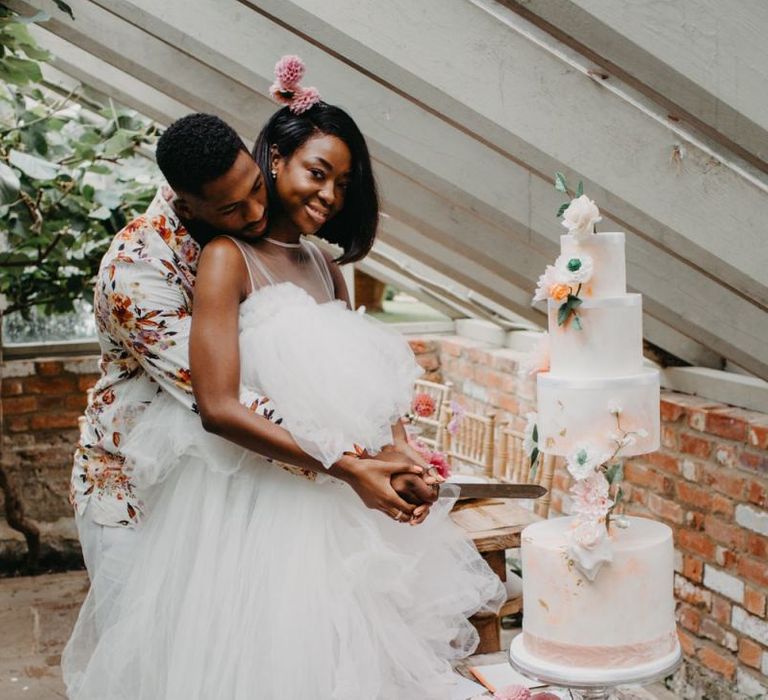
[(286, 90)]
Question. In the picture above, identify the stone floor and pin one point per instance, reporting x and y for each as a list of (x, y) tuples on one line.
[(37, 614)]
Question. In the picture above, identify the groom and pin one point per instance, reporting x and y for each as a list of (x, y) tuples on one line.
[(143, 305)]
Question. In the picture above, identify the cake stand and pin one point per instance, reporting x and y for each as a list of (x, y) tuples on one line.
[(590, 683)]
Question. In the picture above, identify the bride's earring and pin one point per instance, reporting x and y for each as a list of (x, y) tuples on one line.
[(274, 174)]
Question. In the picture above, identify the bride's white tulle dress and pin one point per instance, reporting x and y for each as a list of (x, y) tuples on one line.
[(252, 582)]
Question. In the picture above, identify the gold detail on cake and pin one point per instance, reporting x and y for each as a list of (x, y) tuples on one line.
[(563, 432), (543, 605), (550, 442)]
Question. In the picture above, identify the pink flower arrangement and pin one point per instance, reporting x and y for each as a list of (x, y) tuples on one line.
[(433, 457), (286, 90), (457, 416), (423, 405)]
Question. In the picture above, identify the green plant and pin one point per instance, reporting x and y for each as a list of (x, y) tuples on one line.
[(71, 175)]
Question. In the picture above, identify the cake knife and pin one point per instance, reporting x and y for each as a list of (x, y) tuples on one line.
[(448, 490)]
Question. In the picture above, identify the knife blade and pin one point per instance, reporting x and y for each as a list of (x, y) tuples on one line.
[(448, 490)]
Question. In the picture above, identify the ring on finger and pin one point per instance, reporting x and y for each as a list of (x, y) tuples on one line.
[(398, 516)]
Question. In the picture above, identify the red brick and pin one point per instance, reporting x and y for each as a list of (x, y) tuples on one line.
[(720, 662), (480, 357), (17, 424), (753, 570), (12, 387), (722, 505), (48, 368), (723, 481), (756, 493), (506, 402), (671, 411), (666, 509), (750, 653), (757, 545), (669, 437), (695, 520), (76, 402), (693, 495), (54, 421), (697, 542), (664, 461), (452, 347), (689, 618), (756, 461), (754, 601), (725, 533), (693, 568), (636, 473), (711, 630), (50, 385), (428, 361), (694, 445), (721, 609), (757, 436), (19, 404), (687, 643), (420, 346), (726, 558), (729, 423)]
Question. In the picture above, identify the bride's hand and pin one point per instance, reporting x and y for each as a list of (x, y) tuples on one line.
[(371, 480)]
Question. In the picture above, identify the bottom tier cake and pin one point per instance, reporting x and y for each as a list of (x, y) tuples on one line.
[(620, 625)]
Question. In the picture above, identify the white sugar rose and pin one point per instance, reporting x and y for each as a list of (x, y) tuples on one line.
[(584, 460), (575, 269), (581, 216)]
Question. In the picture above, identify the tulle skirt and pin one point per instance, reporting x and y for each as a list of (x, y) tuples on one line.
[(251, 582)]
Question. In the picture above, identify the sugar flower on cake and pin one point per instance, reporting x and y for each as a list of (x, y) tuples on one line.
[(590, 497), (531, 438), (550, 282), (585, 460), (580, 217), (588, 546), (575, 270), (537, 360)]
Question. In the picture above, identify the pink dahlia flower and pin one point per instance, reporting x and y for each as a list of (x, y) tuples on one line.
[(423, 405), (289, 71), (304, 99), (512, 692)]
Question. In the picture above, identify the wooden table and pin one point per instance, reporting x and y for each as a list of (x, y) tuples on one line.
[(494, 526)]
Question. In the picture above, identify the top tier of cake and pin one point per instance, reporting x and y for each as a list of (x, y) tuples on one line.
[(610, 268), (610, 341)]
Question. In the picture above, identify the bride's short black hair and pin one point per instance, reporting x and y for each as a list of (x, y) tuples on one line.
[(196, 150), (354, 227)]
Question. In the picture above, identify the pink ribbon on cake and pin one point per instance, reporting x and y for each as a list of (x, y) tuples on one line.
[(623, 655)]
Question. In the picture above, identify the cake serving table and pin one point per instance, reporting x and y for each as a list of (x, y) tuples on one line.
[(590, 683)]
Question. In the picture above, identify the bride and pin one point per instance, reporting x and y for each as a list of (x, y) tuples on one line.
[(254, 581)]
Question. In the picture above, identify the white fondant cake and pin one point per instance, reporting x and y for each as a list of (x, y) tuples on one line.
[(623, 619), (599, 364)]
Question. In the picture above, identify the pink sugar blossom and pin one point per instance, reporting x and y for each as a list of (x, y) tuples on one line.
[(304, 99), (590, 497), (512, 692), (289, 71)]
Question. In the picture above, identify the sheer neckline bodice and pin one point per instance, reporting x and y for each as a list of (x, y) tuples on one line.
[(304, 267)]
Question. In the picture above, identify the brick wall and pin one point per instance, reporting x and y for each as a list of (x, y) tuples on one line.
[(709, 482), (42, 400)]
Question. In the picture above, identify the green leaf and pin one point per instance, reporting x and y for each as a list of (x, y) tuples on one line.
[(562, 209), (33, 167), (121, 141), (19, 20), (580, 188), (101, 213), (64, 8), (20, 71), (560, 183), (535, 433), (619, 497), (577, 323), (615, 473), (9, 184), (534, 459), (563, 313), (573, 301)]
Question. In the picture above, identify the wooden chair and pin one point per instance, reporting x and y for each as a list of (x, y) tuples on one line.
[(514, 467), (473, 443), (430, 427)]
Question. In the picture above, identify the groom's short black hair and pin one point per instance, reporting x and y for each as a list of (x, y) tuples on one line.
[(195, 150)]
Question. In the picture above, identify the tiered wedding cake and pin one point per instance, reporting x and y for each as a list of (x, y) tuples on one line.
[(597, 589)]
